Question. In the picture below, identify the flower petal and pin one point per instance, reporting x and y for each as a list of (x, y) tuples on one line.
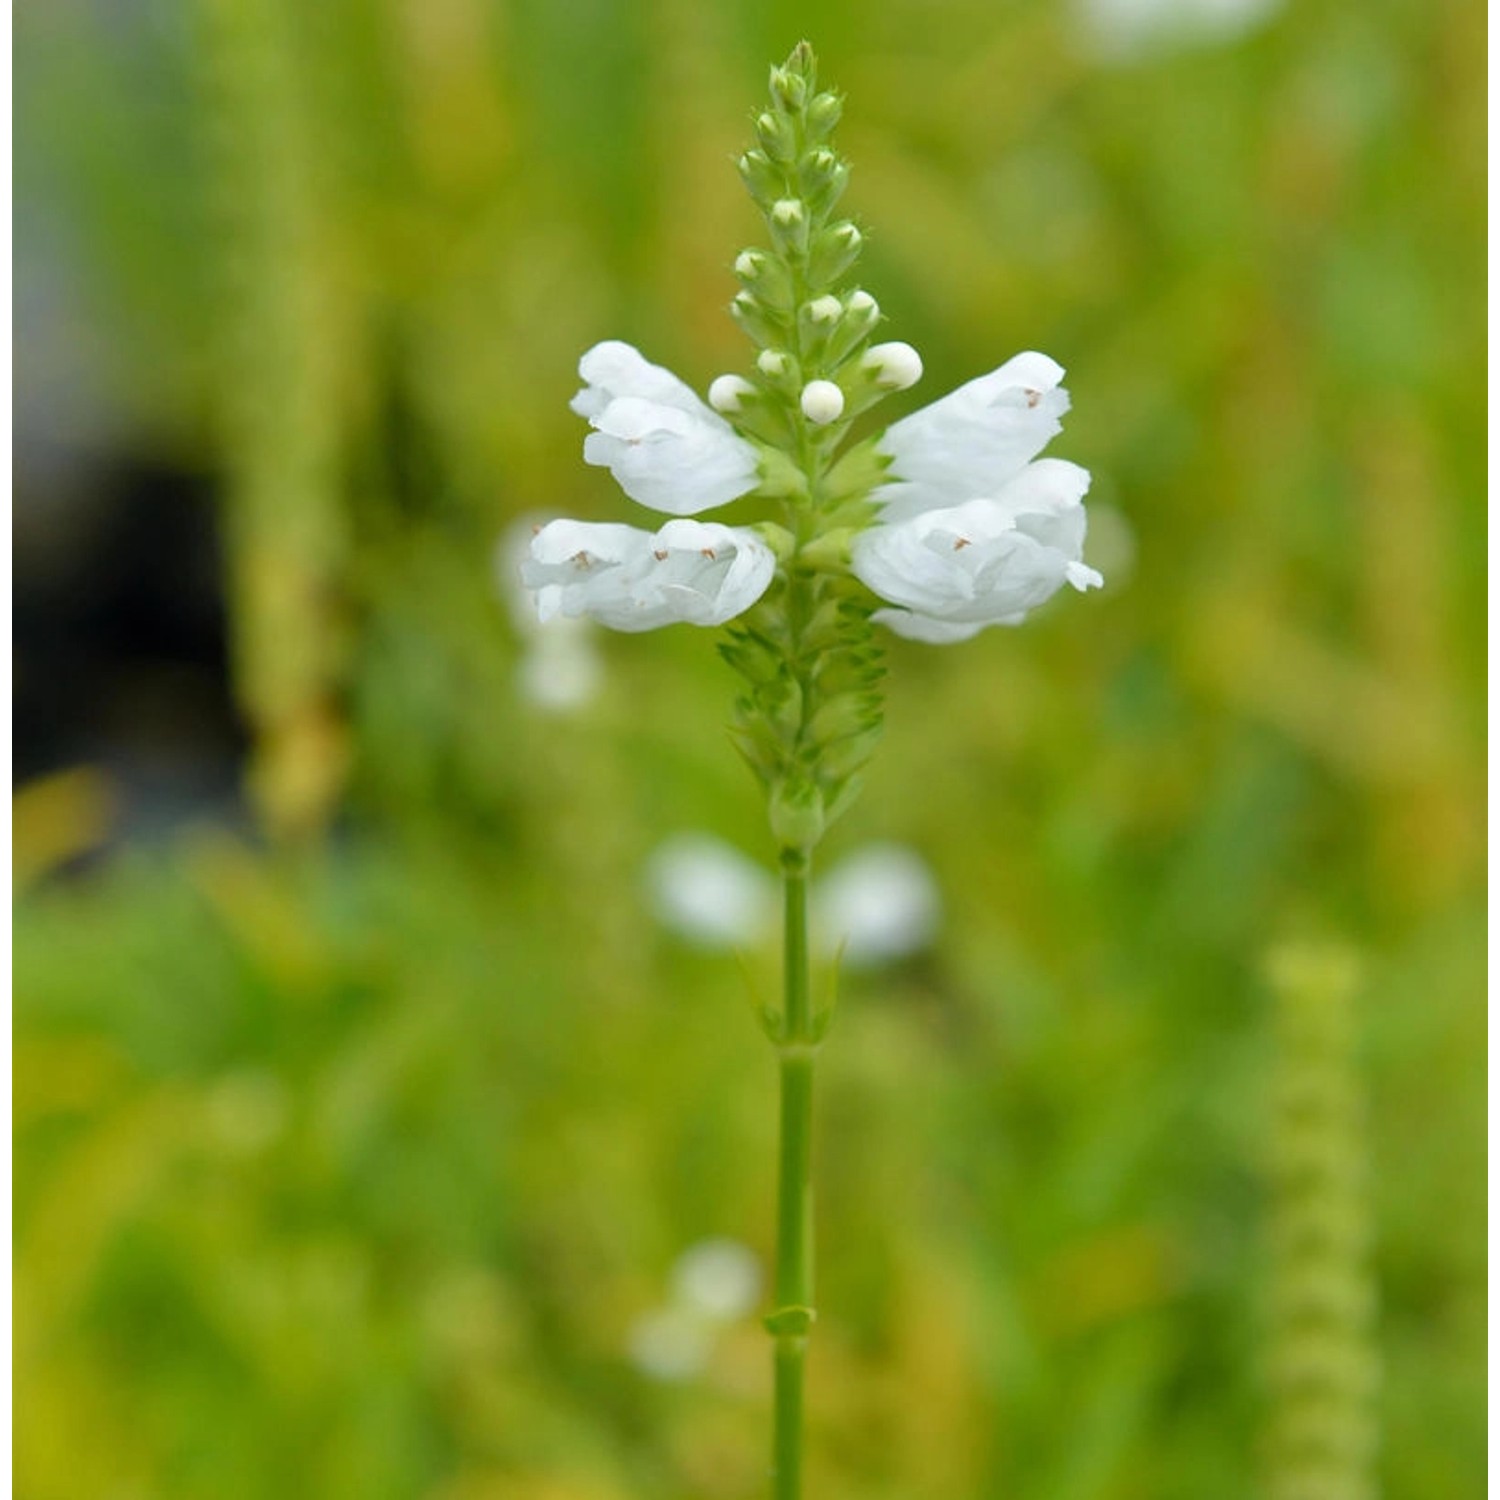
[(928, 629), (975, 438)]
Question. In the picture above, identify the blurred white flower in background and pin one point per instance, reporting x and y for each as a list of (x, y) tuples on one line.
[(717, 1278), (712, 1284), (881, 903), (560, 668), (877, 905), (670, 1343), (1123, 31), (709, 894)]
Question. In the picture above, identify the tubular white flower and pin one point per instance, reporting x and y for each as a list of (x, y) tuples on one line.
[(975, 438), (988, 561), (822, 402), (697, 572), (975, 530), (665, 447)]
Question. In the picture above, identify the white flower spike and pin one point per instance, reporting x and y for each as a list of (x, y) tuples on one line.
[(665, 447), (697, 572)]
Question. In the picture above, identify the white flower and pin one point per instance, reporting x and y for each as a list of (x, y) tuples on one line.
[(667, 448), (698, 572), (975, 530)]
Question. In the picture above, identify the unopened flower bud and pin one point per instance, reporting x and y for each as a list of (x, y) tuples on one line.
[(789, 225), (749, 264), (822, 402), (772, 362), (823, 114), (762, 176), (895, 366), (832, 252), (753, 317), (789, 89), (777, 136), (824, 309), (726, 393), (861, 314)]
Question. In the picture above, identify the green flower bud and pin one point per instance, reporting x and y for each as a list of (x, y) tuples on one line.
[(759, 321), (823, 115), (861, 314), (777, 136), (765, 180), (788, 88), (775, 364), (831, 252), (769, 277), (788, 219), (822, 199)]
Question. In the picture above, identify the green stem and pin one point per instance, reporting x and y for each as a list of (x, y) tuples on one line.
[(792, 1321)]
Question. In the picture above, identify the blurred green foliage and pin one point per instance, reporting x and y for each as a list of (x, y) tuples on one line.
[(345, 1168)]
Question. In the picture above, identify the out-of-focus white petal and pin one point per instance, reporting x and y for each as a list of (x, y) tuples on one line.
[(706, 891), (880, 904), (719, 1279), (560, 669), (1124, 31), (670, 1343), (972, 440), (667, 449)]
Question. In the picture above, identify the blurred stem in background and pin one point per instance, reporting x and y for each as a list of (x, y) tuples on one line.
[(284, 527), (1321, 1429)]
